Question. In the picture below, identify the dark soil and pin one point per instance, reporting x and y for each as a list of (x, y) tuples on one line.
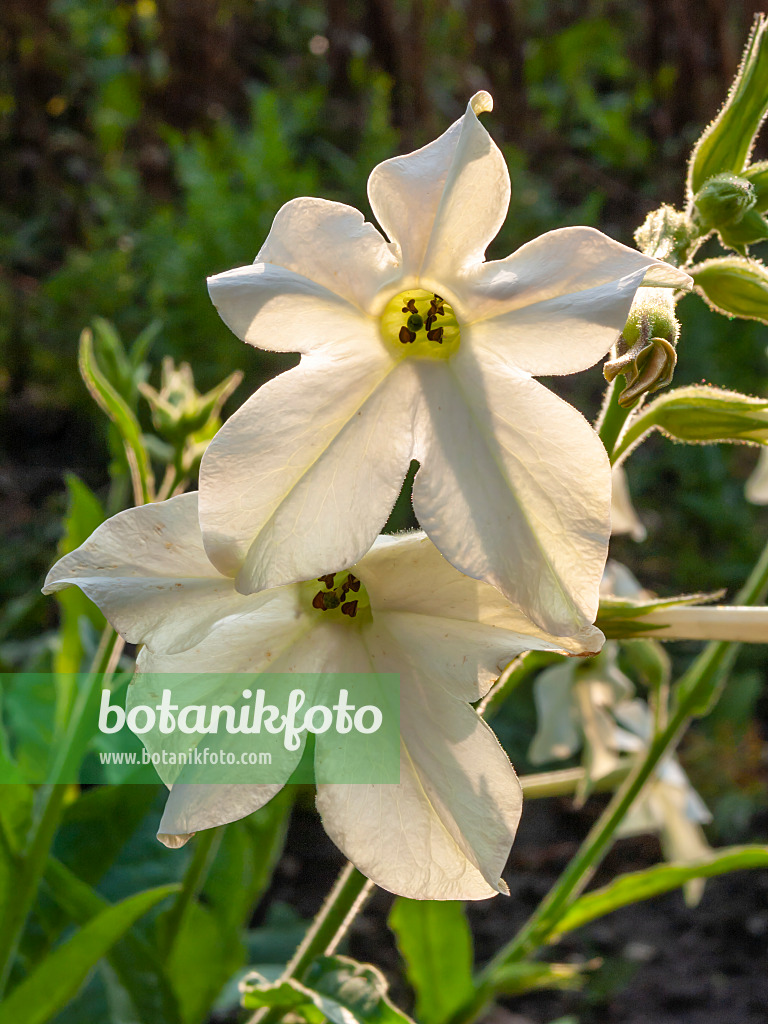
[(658, 962)]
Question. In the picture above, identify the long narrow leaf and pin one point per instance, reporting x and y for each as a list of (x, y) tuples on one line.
[(121, 415), (57, 980), (642, 885), (136, 965)]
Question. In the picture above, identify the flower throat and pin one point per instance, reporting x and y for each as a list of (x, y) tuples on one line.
[(421, 324)]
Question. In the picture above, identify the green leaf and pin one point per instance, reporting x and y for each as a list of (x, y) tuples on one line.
[(245, 861), (516, 978), (120, 413), (55, 981), (727, 143), (348, 992), (135, 964), (203, 958), (436, 943), (733, 286), (642, 885), (84, 514)]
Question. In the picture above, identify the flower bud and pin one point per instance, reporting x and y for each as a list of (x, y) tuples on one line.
[(645, 353), (178, 408), (723, 200), (666, 234), (752, 228), (733, 286), (702, 415)]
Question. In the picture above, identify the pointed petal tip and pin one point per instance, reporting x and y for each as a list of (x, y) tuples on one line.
[(481, 102), (664, 275), (502, 888), (174, 842)]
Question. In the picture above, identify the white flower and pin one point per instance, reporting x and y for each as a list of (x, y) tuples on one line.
[(445, 831), (624, 518), (415, 348), (668, 806), (756, 489), (575, 710)]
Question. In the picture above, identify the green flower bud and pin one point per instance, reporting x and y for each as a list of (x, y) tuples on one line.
[(703, 414), (727, 143), (666, 234), (178, 409), (752, 228), (723, 200), (733, 286)]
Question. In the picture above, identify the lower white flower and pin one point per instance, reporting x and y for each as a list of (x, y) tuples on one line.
[(574, 710), (668, 806), (756, 489), (445, 831)]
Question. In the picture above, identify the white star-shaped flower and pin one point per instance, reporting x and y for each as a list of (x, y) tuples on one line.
[(415, 348), (445, 831)]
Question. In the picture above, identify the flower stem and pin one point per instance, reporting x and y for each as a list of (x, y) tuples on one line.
[(695, 691), (344, 901), (612, 418)]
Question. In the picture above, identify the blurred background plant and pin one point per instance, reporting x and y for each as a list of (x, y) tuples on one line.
[(148, 144)]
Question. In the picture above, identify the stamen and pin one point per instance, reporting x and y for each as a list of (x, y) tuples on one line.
[(327, 580), (406, 336), (350, 609), (436, 335)]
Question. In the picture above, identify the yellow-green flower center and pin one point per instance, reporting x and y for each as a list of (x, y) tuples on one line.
[(421, 324), (341, 594)]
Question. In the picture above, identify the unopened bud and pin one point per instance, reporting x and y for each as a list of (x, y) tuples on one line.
[(733, 286), (723, 200), (666, 234)]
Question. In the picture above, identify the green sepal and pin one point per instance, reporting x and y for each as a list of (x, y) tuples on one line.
[(727, 143), (621, 618)]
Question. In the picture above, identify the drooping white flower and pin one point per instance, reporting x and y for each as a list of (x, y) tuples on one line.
[(445, 831), (415, 348), (624, 518), (756, 488), (575, 711), (668, 806)]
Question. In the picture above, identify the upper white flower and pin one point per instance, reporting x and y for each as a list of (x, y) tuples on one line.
[(415, 348), (445, 831)]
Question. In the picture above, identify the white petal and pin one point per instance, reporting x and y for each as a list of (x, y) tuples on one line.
[(280, 637), (514, 488), (281, 311), (756, 489), (624, 519), (301, 479), (147, 570), (458, 629), (557, 304), (556, 735), (444, 203), (332, 245), (446, 830), (191, 809)]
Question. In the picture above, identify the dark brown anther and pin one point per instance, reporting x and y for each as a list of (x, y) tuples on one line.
[(318, 601), (411, 306), (349, 608), (436, 335), (327, 580), (353, 583), (429, 321), (406, 336)]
